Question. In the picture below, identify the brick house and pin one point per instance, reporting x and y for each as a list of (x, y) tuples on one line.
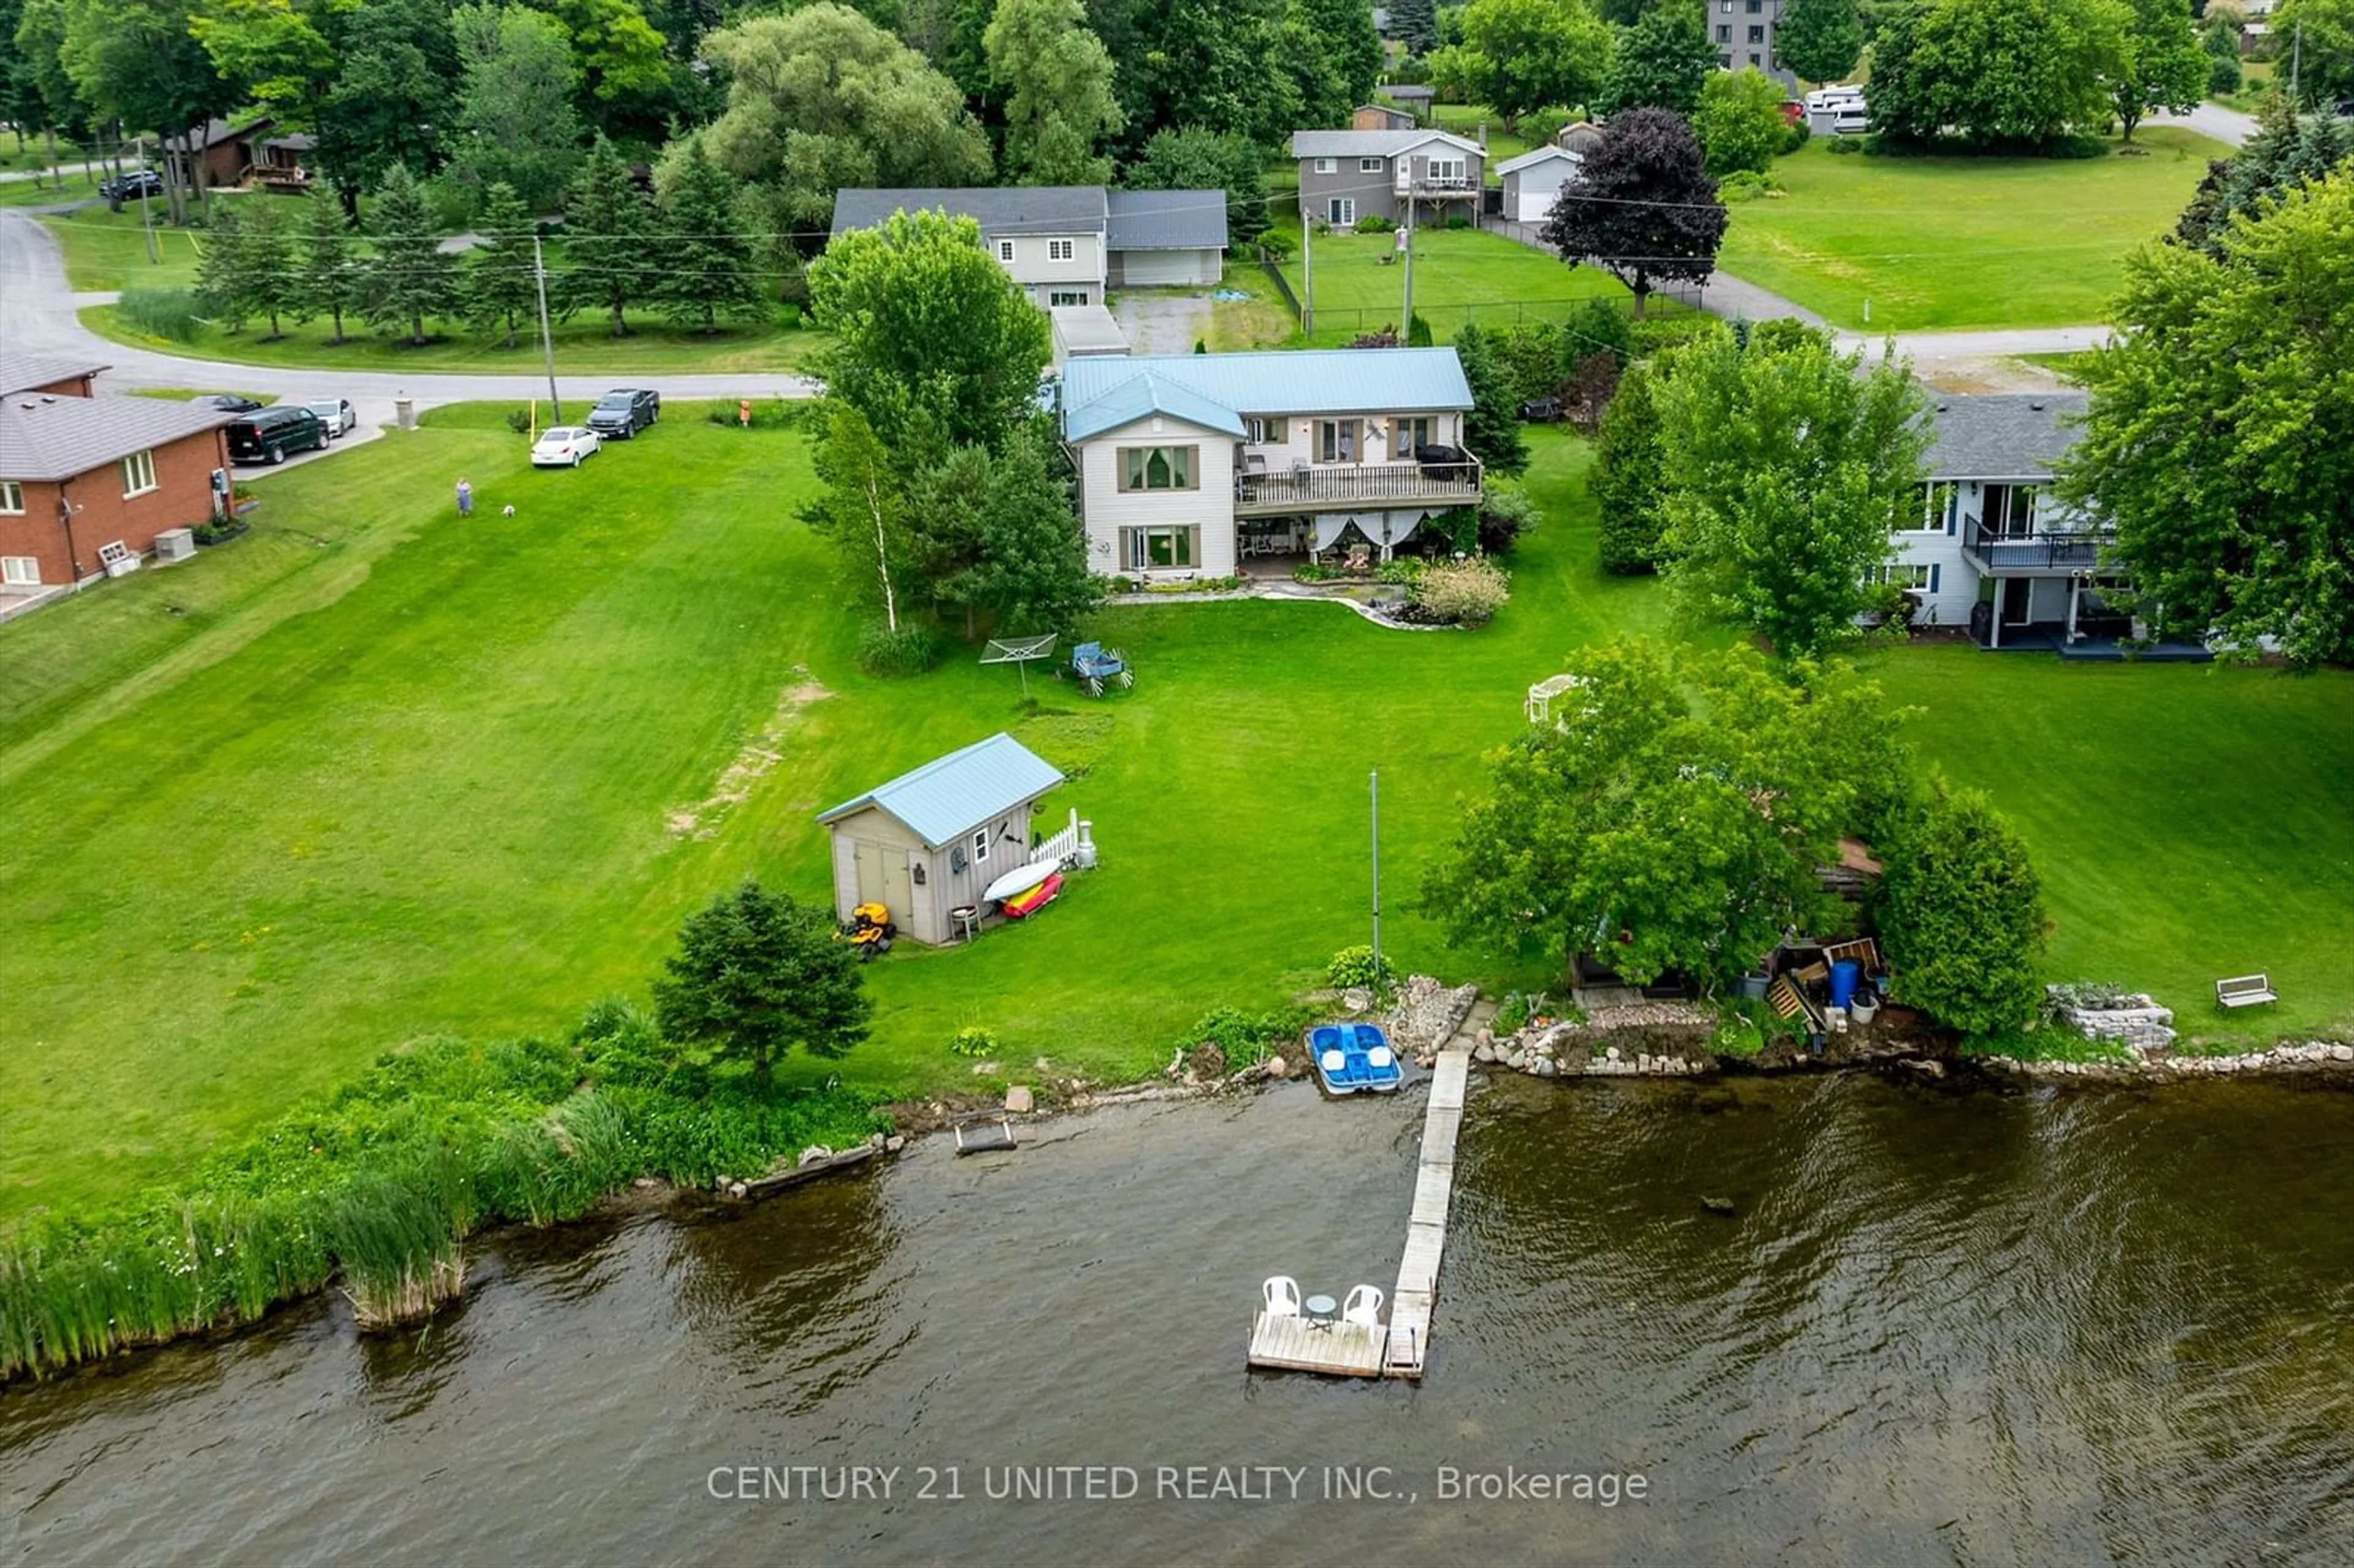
[(82, 472)]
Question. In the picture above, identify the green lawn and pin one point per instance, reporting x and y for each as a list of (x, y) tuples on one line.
[(1957, 242), (1459, 275), (371, 774), (106, 249), (1467, 120)]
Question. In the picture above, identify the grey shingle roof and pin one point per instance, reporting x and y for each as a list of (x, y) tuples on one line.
[(950, 796), (50, 439), (2002, 435), (1168, 220), (1020, 210), (1371, 143), (19, 371)]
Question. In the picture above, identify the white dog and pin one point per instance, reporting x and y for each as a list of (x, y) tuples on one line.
[(506, 512)]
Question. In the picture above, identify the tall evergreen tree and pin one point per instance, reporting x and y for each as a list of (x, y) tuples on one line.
[(225, 270), (707, 261), (502, 273), (1415, 24), (268, 262), (609, 234), (407, 278), (1492, 428), (326, 275)]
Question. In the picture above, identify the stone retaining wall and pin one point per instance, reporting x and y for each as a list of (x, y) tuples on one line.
[(2309, 1056)]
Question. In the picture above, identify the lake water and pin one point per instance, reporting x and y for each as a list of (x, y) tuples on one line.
[(1945, 1324)]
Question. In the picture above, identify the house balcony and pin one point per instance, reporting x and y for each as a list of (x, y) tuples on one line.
[(1451, 480), (1439, 186), (2033, 554)]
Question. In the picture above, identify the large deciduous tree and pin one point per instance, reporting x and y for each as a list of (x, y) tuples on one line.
[(1662, 62), (1521, 55), (612, 240), (1333, 57), (1055, 78), (932, 341), (707, 261), (1200, 63), (1960, 911), (1671, 817), (1788, 465), (406, 277), (823, 98), (1998, 72), (516, 124), (2324, 61), (758, 974), (1739, 123), (1196, 160), (863, 509), (1032, 575), (1821, 40), (1643, 207), (2220, 444), (2160, 65), (393, 96)]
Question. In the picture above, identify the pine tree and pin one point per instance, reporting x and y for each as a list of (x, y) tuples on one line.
[(706, 263), (611, 231), (1492, 428), (326, 276), (502, 274), (223, 276), (268, 262), (409, 277)]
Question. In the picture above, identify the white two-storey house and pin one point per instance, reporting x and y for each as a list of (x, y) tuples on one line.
[(1206, 464), (1066, 244)]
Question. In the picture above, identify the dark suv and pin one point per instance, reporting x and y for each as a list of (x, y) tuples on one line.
[(137, 183), (268, 435), (624, 411)]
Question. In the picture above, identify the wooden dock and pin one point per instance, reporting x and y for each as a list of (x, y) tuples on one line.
[(1352, 1350)]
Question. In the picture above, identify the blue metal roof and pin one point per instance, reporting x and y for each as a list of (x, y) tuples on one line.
[(950, 796), (1100, 394)]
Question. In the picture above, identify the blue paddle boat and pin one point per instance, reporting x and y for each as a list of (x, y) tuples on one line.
[(1353, 1056)]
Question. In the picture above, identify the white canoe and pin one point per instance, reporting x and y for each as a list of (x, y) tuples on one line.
[(1014, 883)]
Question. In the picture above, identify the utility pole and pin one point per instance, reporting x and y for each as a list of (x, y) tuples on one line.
[(1307, 273), (547, 339), (145, 222), (1405, 328), (1375, 781)]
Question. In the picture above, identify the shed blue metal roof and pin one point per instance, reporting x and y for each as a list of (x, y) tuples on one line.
[(1100, 394), (950, 796)]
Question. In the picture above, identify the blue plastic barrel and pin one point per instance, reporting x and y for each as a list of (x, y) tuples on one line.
[(1844, 974)]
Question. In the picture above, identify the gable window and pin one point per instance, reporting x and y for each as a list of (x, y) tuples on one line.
[(138, 475), (1336, 440), (1160, 467), (1410, 433), (1005, 250), (20, 571), (1449, 169), (1327, 165), (1061, 249), (1159, 549), (12, 498), (1940, 501), (1067, 296), (981, 846), (1340, 212)]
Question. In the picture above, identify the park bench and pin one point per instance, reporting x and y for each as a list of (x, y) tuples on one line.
[(2244, 991)]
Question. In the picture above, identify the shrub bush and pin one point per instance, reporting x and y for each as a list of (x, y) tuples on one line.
[(1241, 1039), (2224, 75), (1960, 911), (1404, 570), (1746, 185), (1275, 247), (220, 533), (909, 650), (1625, 480), (1532, 359), (1595, 326), (973, 1040), (1462, 593), (1846, 147), (1508, 512), (519, 420), (1798, 136), (1375, 223), (1458, 222), (1356, 969), (1653, 333), (169, 313)]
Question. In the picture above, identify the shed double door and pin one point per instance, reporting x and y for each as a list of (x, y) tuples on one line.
[(882, 879)]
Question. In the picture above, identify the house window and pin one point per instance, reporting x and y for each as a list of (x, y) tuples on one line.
[(1336, 440), (1725, 32), (1410, 433), (12, 498), (1940, 499), (1724, 61), (1067, 296), (1756, 35), (981, 846), (1327, 165), (1162, 549), (1728, 8), (138, 475), (1371, 165), (20, 571), (1755, 6), (1340, 212), (1919, 576), (1160, 467), (1446, 169), (1061, 249), (1754, 61), (1258, 429), (1005, 252)]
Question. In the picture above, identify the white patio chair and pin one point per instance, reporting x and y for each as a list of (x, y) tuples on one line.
[(1282, 1294), (1363, 1306)]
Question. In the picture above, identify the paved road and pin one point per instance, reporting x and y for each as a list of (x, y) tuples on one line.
[(2228, 126), (36, 317)]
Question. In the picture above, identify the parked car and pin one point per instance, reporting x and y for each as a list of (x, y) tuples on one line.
[(267, 435), (1540, 410), (624, 411), (337, 413), (132, 185), (562, 446), (226, 402)]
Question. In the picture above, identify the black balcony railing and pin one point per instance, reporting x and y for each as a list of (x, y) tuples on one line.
[(2035, 552), (1456, 482)]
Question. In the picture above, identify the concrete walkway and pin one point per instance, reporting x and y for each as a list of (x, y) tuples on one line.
[(36, 317)]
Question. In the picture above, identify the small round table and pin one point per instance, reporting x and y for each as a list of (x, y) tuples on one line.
[(967, 919), (1322, 1306)]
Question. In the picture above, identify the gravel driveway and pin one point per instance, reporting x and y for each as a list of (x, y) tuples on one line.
[(1162, 322)]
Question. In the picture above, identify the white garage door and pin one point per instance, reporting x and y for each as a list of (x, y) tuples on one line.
[(1144, 268), (1535, 202)]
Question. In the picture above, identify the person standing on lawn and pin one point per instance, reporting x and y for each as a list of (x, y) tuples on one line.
[(466, 499)]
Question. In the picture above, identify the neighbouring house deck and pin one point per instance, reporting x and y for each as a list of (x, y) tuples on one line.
[(2040, 638), (1996, 554), (1307, 489)]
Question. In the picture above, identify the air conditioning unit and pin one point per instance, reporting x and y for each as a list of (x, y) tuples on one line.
[(117, 559), (174, 545)]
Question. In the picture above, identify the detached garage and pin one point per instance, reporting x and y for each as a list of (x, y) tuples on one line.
[(930, 840), (1176, 238), (1534, 180)]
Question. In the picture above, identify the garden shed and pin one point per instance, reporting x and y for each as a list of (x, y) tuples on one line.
[(928, 842)]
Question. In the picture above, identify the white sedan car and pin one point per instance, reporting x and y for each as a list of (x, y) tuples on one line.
[(562, 446)]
